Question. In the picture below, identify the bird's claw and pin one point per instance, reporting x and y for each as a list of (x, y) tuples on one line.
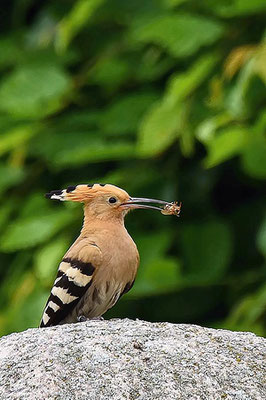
[(97, 319), (82, 318)]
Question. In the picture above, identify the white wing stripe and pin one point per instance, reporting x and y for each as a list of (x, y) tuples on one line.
[(77, 277), (63, 295)]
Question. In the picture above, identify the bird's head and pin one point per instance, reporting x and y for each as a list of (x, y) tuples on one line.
[(105, 201)]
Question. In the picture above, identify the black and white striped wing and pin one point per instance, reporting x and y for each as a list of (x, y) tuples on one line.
[(73, 279)]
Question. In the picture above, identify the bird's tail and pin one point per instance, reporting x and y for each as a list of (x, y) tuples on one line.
[(80, 193)]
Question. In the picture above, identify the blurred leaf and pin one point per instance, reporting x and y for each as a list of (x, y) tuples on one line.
[(152, 65), (26, 313), (10, 52), (153, 245), (182, 85), (10, 176), (23, 289), (238, 101), (261, 237), (187, 140), (123, 116), (29, 232), (260, 61), (207, 129), (110, 72), (207, 250), (5, 211), (73, 148), (15, 276), (157, 273), (173, 3), (8, 123), (173, 32), (42, 31), (16, 137), (35, 204), (76, 121), (254, 156), (246, 314), (34, 90), (131, 177), (159, 128), (164, 121), (238, 7), (159, 276), (71, 24), (225, 145), (237, 58), (98, 150), (48, 258)]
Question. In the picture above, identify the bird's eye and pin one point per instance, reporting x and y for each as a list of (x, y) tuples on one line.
[(112, 200)]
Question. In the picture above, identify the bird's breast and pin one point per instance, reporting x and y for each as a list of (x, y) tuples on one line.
[(113, 277), (120, 257)]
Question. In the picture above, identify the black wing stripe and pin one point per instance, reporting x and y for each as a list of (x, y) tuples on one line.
[(55, 299), (59, 274), (59, 315), (49, 311), (70, 286), (67, 291), (52, 317), (85, 268)]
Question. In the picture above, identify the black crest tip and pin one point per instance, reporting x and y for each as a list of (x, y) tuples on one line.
[(70, 188), (53, 192)]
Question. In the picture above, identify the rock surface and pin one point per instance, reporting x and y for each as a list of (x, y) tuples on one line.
[(125, 359)]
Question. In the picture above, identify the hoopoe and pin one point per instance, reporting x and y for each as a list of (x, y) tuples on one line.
[(102, 263)]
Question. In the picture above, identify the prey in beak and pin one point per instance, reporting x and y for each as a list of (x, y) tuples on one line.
[(165, 207)]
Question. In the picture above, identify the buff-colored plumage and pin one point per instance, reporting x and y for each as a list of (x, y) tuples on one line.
[(102, 263), (112, 252)]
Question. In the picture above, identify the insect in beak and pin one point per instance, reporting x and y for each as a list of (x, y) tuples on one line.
[(167, 209)]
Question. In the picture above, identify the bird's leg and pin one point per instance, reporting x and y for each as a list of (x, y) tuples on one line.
[(82, 318)]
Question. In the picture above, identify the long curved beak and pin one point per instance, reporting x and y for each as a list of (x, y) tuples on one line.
[(134, 202)]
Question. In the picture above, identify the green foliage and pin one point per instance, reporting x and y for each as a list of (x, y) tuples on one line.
[(228, 143), (165, 98), (118, 119), (212, 249), (174, 32), (160, 274), (261, 237), (33, 91), (15, 137), (47, 257), (167, 118), (73, 22), (10, 176), (29, 232)]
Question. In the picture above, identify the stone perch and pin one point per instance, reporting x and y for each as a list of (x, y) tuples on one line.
[(125, 359)]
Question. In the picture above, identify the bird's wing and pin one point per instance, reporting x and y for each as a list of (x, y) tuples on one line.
[(74, 277)]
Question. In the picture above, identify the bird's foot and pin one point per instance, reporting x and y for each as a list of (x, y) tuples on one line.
[(97, 319), (82, 318)]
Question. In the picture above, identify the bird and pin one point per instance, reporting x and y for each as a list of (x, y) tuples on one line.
[(101, 265)]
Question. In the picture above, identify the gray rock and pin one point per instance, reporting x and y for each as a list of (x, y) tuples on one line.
[(124, 359)]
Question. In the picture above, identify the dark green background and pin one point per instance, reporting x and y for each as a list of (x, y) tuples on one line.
[(164, 98)]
